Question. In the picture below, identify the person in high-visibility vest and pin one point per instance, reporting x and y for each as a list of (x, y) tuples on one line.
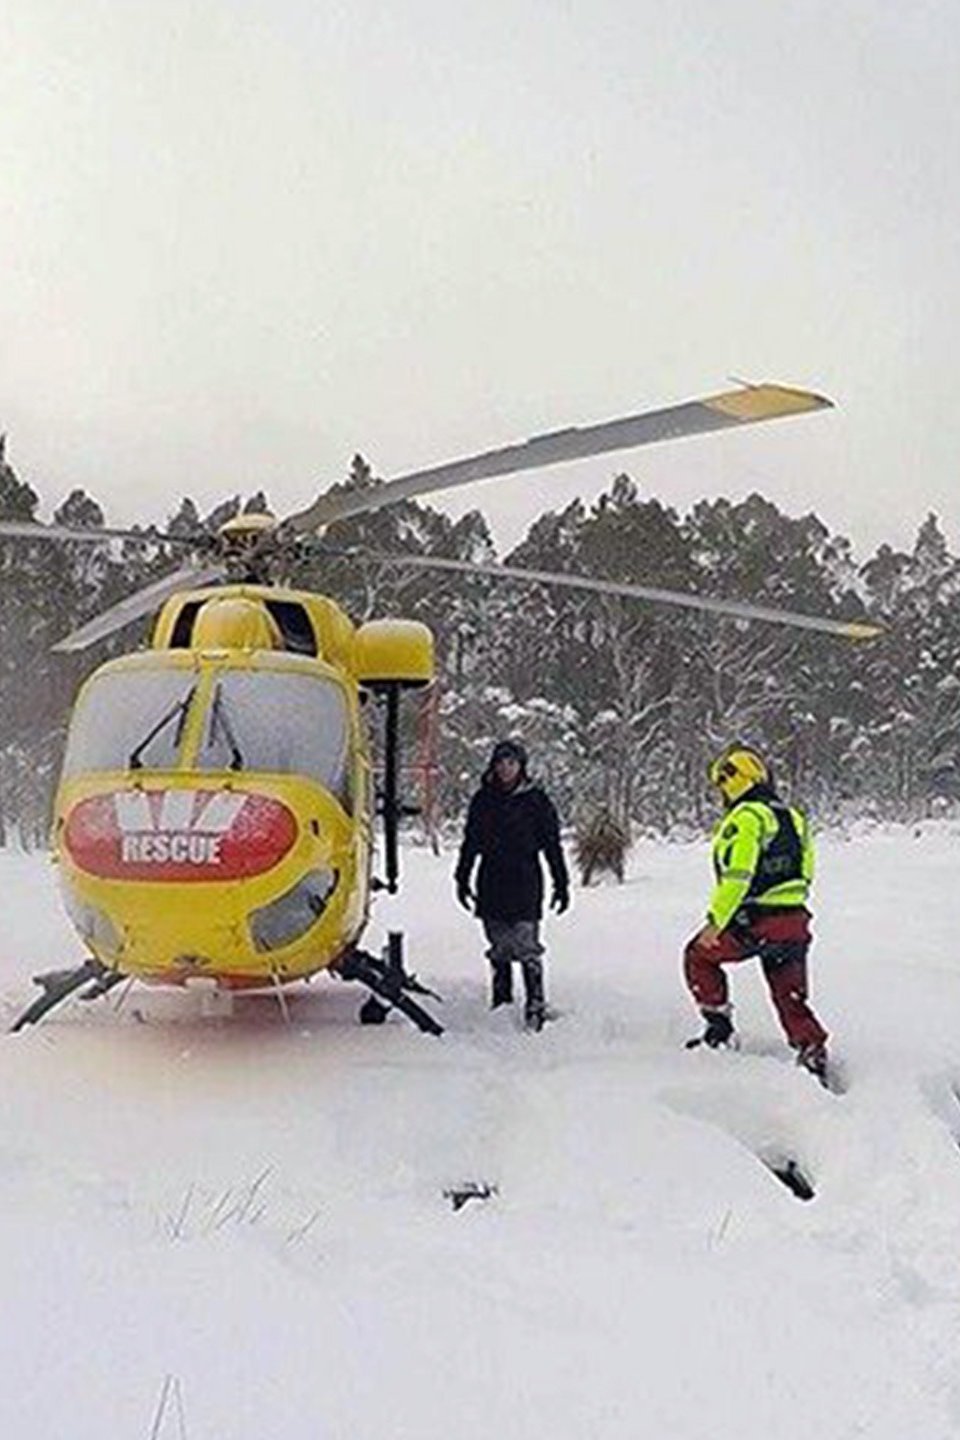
[(763, 866)]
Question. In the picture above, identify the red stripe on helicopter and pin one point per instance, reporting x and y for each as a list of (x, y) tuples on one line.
[(178, 835)]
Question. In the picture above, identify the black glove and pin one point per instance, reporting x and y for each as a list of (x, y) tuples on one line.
[(560, 899), (464, 894)]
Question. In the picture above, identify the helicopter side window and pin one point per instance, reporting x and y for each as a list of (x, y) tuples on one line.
[(277, 722), (183, 625), (295, 626), (129, 720)]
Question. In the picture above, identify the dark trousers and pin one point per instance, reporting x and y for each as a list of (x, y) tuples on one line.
[(517, 942), (781, 940)]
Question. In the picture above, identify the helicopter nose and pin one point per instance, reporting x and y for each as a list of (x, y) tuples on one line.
[(178, 834)]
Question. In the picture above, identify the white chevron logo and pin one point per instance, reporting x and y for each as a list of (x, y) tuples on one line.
[(182, 827), (181, 811)]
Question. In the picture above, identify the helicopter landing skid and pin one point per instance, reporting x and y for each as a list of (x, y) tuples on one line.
[(389, 982), (59, 985)]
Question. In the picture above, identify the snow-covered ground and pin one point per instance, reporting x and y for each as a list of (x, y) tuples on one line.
[(258, 1210)]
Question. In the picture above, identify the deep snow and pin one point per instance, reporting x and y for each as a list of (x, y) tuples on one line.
[(258, 1210)]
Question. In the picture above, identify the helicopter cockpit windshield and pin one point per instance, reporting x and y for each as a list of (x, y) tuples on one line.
[(130, 721), (278, 722), (271, 721)]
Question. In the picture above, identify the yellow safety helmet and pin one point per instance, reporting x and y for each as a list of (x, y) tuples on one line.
[(737, 770)]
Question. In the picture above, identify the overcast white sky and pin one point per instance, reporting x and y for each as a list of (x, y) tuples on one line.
[(239, 241)]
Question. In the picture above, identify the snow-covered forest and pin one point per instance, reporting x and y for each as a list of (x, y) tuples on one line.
[(620, 702)]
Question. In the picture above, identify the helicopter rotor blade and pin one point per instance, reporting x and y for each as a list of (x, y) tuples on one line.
[(694, 417), (35, 530), (732, 609), (141, 602)]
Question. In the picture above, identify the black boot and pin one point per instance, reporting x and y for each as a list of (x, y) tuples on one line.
[(718, 1032), (814, 1058), (502, 989), (535, 1009)]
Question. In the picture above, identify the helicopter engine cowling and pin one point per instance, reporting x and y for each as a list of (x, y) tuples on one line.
[(233, 622)]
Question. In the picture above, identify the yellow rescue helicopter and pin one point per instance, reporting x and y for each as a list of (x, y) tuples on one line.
[(213, 824)]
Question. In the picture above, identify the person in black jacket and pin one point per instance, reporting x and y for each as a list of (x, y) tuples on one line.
[(510, 823)]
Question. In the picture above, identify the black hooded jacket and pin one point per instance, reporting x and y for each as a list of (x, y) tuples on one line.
[(509, 830)]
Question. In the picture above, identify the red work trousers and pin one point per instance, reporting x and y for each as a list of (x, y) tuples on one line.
[(781, 941)]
